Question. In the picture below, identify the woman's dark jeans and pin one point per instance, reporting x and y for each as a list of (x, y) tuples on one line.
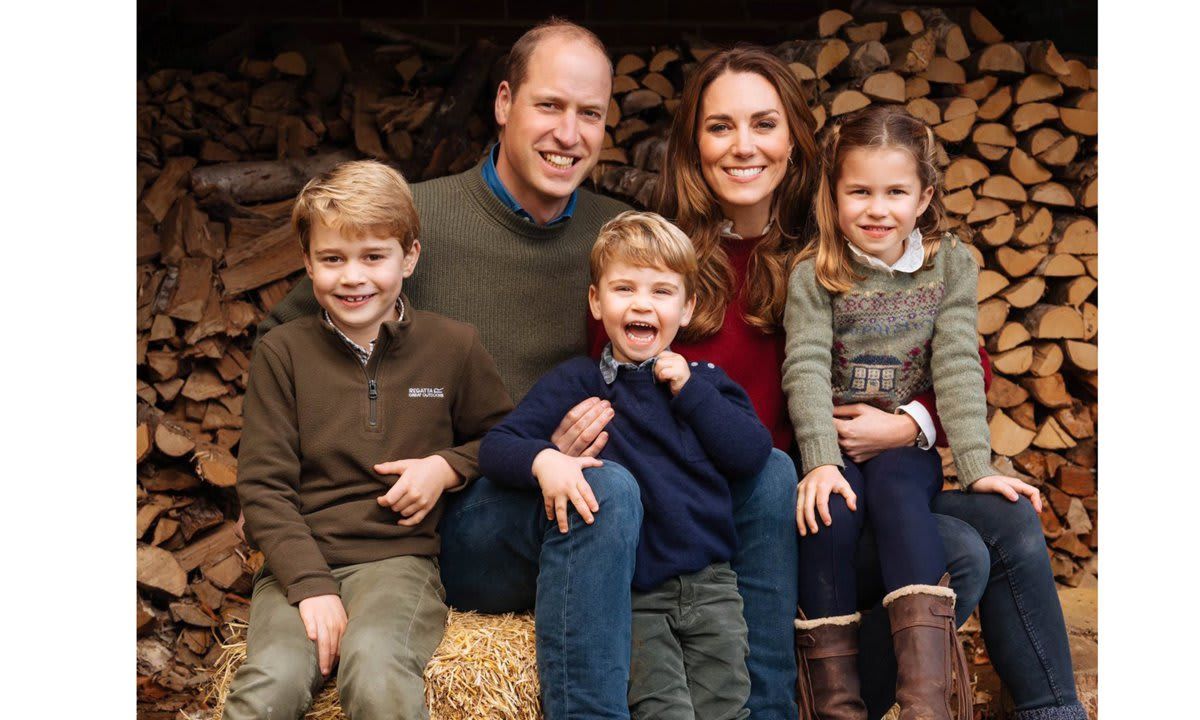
[(1000, 555)]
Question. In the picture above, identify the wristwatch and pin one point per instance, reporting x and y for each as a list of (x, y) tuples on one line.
[(921, 441)]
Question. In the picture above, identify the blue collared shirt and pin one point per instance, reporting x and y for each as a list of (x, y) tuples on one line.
[(609, 365), (493, 181)]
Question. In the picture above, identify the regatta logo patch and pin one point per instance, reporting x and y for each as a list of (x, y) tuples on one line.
[(420, 392)]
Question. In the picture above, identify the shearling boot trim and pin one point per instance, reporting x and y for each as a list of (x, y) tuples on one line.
[(832, 620), (1053, 712), (918, 590)]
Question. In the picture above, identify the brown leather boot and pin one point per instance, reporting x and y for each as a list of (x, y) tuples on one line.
[(932, 681), (827, 657)]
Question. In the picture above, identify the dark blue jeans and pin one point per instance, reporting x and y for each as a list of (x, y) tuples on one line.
[(997, 559), (500, 554), (893, 491)]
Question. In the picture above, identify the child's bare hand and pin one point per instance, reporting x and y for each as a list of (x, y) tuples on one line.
[(672, 368), (324, 619), (421, 483), (1009, 487), (812, 496), (561, 479)]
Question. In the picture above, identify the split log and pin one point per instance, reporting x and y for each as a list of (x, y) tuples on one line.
[(1047, 359), (159, 570), (1036, 88), (1004, 393), (1051, 436), (1026, 292), (992, 314), (1048, 322), (260, 181), (1013, 362), (1081, 355), (1008, 337), (1008, 438)]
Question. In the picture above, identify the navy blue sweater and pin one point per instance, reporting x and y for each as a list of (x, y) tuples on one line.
[(682, 450)]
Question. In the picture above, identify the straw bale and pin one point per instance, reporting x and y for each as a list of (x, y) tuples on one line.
[(484, 669)]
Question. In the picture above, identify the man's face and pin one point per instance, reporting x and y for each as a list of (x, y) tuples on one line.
[(552, 129)]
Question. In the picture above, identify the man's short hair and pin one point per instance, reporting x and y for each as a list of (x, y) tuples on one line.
[(517, 68), (358, 198), (644, 239)]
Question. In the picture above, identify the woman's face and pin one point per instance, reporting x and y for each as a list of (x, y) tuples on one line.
[(744, 141)]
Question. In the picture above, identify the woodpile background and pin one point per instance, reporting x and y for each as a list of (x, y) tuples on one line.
[(222, 152)]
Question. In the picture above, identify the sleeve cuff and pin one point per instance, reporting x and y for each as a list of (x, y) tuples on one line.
[(312, 587), (816, 453), (924, 420), (973, 466), (466, 469)]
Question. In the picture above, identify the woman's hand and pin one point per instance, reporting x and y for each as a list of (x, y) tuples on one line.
[(1009, 487), (813, 493), (864, 431)]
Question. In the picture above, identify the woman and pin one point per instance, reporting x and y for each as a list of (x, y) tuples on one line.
[(739, 180)]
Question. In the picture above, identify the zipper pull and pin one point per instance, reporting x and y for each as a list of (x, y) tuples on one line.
[(372, 389)]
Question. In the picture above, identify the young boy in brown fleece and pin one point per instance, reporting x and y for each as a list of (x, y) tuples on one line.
[(351, 554)]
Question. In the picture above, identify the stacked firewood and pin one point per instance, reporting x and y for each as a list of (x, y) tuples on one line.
[(222, 153)]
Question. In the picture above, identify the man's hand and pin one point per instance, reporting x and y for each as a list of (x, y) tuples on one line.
[(672, 368), (325, 622), (864, 431), (1009, 487), (581, 431), (561, 479), (813, 494), (422, 481)]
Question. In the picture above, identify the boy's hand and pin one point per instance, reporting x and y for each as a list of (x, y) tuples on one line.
[(672, 368), (324, 619), (1009, 487), (814, 491), (561, 479), (581, 431), (421, 483)]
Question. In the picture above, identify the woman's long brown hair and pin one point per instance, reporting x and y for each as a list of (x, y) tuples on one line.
[(687, 198)]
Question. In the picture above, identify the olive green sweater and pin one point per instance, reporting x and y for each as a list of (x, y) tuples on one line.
[(317, 421), (882, 342), (523, 285)]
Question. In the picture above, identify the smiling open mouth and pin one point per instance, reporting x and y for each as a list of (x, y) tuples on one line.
[(562, 162), (876, 229), (745, 172), (355, 299), (640, 333)]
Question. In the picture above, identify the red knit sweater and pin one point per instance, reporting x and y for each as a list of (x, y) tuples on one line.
[(754, 359)]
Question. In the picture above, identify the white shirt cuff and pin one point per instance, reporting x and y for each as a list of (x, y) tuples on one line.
[(924, 420)]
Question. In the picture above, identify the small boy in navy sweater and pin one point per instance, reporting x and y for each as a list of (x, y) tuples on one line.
[(684, 430)]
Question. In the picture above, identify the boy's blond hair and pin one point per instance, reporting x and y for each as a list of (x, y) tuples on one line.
[(644, 239), (356, 198)]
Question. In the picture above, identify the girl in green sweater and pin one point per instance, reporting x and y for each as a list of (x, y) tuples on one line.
[(881, 307)]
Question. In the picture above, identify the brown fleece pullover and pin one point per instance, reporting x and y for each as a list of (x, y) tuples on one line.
[(317, 421)]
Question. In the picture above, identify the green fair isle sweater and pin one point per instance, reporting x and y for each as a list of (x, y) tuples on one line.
[(524, 286), (881, 343)]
